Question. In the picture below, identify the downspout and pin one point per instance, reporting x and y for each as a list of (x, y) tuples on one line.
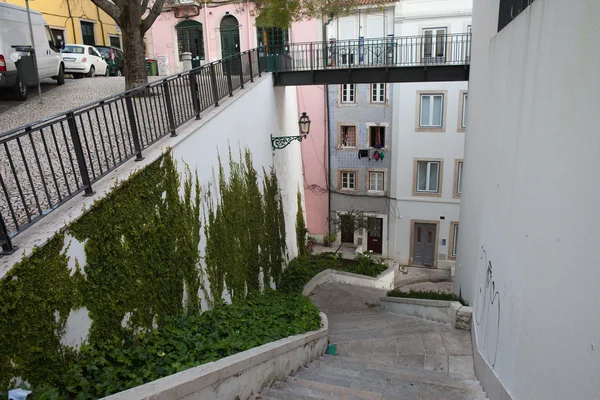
[(101, 26), (72, 22)]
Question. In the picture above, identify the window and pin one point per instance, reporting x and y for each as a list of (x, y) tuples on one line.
[(453, 239), (273, 40), (348, 135), (377, 136), (432, 111), (348, 93), (115, 41), (190, 39), (434, 45), (87, 33), (59, 37), (428, 176), (375, 181), (463, 117), (458, 168), (348, 180), (50, 37), (378, 93)]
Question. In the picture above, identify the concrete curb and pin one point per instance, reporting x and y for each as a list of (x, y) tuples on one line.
[(449, 312), (237, 376), (385, 280)]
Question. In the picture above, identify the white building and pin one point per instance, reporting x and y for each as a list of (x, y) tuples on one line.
[(428, 132), (528, 252)]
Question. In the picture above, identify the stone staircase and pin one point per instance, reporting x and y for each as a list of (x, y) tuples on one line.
[(381, 355), (335, 377)]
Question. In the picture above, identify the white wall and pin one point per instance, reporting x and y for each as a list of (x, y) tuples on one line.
[(529, 214), (412, 16), (368, 22)]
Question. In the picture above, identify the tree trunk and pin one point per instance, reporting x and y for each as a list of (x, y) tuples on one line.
[(135, 57)]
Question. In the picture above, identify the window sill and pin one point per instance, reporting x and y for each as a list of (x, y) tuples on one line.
[(457, 195), (431, 129), (347, 190), (346, 148), (427, 194), (377, 193)]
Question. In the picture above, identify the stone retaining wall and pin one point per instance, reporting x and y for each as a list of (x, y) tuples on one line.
[(450, 312)]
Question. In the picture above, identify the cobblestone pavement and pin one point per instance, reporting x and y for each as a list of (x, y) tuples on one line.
[(8, 102)]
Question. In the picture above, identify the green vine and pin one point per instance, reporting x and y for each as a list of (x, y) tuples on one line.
[(142, 263), (301, 230)]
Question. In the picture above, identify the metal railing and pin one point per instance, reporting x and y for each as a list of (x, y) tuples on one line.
[(404, 51), (44, 164)]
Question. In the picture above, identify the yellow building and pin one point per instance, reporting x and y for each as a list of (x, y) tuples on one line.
[(77, 21)]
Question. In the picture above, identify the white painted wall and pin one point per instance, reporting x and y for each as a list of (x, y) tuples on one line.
[(530, 199), (368, 22), (412, 16)]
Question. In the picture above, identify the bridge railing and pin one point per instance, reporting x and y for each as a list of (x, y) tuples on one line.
[(46, 163), (405, 51)]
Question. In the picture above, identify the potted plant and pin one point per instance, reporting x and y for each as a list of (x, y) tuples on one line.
[(309, 243), (329, 238)]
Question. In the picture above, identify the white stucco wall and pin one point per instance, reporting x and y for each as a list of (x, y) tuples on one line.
[(411, 18), (528, 250)]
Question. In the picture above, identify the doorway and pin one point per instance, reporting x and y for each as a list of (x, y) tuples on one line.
[(424, 240), (230, 41), (374, 238), (347, 229)]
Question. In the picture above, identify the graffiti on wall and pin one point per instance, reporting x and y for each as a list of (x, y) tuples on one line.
[(487, 311)]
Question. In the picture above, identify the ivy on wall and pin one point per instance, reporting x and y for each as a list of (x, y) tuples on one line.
[(142, 262), (301, 230)]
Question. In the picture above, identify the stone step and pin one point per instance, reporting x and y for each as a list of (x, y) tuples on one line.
[(304, 389), (394, 385), (354, 364)]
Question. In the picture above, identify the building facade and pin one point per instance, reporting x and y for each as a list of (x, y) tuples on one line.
[(77, 22), (428, 129), (531, 157), (396, 150)]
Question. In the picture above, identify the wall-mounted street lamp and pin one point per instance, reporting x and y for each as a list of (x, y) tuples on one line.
[(281, 142)]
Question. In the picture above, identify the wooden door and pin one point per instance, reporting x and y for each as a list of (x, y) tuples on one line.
[(347, 229), (375, 238), (424, 244)]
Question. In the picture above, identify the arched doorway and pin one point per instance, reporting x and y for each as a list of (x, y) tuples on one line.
[(190, 38), (230, 36)]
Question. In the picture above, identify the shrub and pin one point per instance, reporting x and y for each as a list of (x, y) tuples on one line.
[(186, 341), (366, 264), (428, 295)]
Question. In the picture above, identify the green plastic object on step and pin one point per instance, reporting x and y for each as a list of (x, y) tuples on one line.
[(331, 349)]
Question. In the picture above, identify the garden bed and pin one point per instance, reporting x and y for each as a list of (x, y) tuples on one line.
[(303, 268), (184, 342)]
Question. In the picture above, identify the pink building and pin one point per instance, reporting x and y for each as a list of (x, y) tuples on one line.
[(209, 31), (315, 153)]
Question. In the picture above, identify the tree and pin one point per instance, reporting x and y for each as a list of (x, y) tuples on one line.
[(281, 13), (353, 221), (134, 17)]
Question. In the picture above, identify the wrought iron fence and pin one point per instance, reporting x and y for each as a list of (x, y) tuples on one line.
[(405, 51), (44, 164)]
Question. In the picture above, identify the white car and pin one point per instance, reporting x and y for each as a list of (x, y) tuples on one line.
[(81, 59)]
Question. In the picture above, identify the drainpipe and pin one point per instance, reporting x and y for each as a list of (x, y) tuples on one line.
[(101, 26), (72, 22)]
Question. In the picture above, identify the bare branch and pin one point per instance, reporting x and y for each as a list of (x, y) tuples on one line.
[(152, 15), (111, 9), (144, 6)]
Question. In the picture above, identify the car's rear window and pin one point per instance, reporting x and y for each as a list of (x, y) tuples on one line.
[(105, 51), (73, 49)]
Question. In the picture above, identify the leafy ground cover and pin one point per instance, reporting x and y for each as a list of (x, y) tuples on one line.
[(428, 295), (303, 268), (183, 342)]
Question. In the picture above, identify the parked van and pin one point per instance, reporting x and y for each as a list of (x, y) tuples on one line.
[(14, 32)]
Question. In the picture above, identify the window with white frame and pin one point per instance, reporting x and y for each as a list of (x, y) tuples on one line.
[(463, 122), (454, 240), (348, 93), (348, 135), (432, 111), (434, 44), (348, 180), (459, 169), (378, 93), (375, 181), (428, 176)]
